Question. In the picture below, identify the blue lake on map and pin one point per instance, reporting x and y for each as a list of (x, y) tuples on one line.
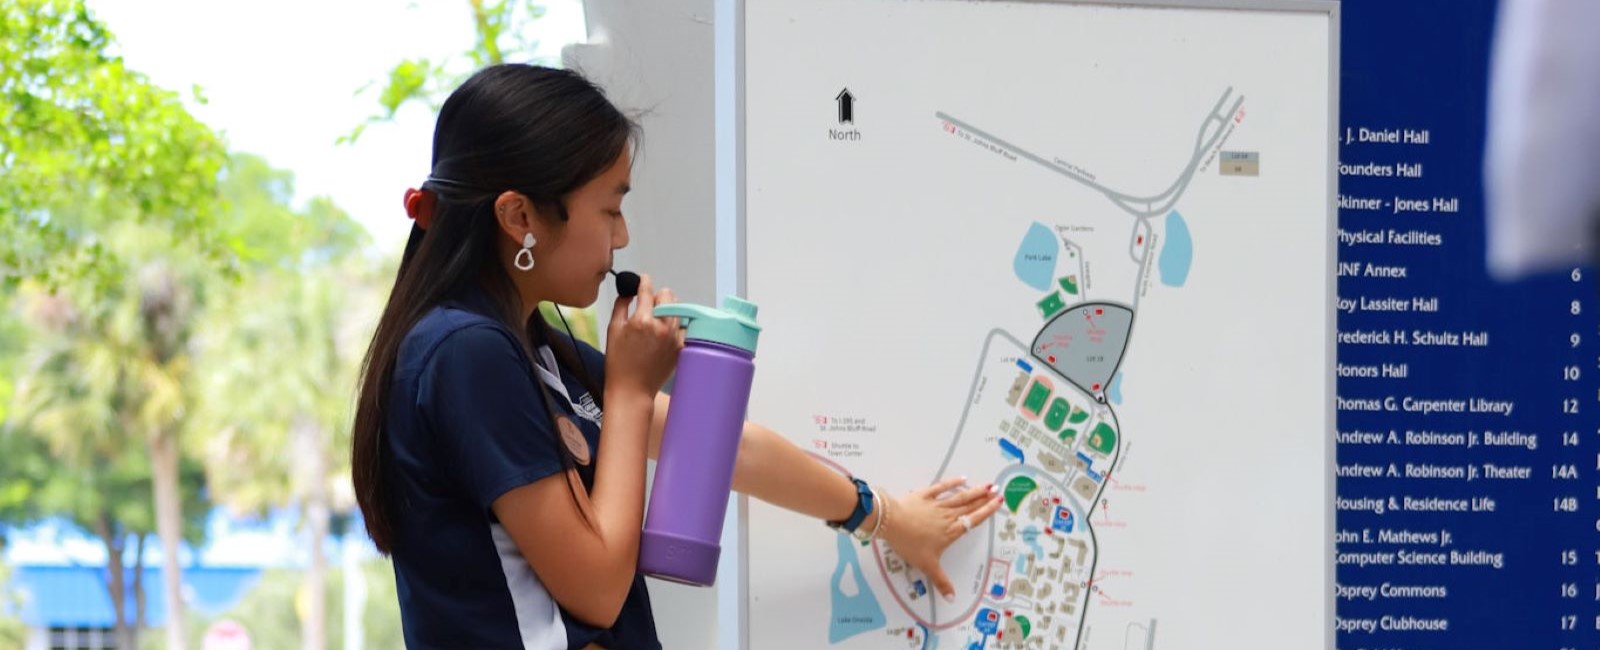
[(854, 610), (1036, 258), (1176, 253)]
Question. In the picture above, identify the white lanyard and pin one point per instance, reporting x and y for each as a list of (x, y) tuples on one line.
[(547, 362)]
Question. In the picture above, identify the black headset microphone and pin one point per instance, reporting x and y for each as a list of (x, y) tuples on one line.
[(627, 283)]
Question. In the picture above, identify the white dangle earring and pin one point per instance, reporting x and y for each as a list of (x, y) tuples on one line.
[(524, 260)]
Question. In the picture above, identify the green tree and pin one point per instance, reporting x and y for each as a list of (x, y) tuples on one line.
[(14, 496), (501, 31), (79, 129), (279, 360), (12, 339), (96, 157), (89, 409)]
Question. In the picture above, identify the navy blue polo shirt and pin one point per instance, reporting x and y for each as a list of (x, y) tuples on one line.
[(466, 424)]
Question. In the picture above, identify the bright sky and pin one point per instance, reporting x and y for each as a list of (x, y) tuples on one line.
[(280, 80)]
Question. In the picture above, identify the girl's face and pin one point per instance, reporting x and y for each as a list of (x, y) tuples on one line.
[(570, 259)]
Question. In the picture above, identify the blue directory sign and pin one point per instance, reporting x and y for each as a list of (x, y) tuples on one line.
[(1467, 409)]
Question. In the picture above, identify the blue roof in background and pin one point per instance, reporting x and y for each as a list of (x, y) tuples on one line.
[(76, 596)]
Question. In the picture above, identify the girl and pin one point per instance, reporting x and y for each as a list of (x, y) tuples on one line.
[(501, 463)]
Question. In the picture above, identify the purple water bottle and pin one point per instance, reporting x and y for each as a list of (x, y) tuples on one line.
[(694, 472)]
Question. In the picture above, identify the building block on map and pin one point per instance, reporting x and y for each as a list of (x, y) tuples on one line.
[(987, 622), (1038, 434), (1016, 388), (1063, 520), (1039, 510), (1085, 488), (1083, 550)]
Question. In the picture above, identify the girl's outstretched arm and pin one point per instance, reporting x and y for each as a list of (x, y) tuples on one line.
[(921, 523)]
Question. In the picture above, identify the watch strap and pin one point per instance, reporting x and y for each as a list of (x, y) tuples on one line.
[(864, 504)]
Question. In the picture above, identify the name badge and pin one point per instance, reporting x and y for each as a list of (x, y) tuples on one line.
[(573, 438)]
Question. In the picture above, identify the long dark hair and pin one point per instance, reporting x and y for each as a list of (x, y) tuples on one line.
[(539, 131)]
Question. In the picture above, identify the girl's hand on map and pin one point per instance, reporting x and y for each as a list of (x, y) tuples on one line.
[(923, 523)]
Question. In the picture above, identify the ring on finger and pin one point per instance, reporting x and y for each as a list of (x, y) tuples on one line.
[(966, 524)]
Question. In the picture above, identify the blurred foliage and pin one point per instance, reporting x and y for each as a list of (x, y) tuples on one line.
[(269, 610), (280, 348), (101, 396), (105, 177), (13, 337), (108, 367), (126, 241), (234, 366), (83, 139), (501, 32), (280, 353), (582, 322)]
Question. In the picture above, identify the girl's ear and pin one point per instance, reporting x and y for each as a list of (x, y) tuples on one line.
[(517, 216)]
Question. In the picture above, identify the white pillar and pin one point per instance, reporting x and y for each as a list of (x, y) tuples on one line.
[(655, 58)]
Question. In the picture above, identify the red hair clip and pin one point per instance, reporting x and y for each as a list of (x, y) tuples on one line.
[(419, 206)]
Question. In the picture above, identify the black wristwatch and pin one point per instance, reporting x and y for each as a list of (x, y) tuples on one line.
[(864, 502)]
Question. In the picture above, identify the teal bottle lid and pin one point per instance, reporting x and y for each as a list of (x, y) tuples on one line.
[(734, 324)]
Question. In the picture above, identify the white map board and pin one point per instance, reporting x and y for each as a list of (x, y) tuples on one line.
[(1082, 251)]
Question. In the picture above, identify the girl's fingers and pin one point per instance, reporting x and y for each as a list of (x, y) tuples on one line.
[(941, 582), (976, 515), (970, 498), (619, 312), (647, 301), (666, 297), (933, 491)]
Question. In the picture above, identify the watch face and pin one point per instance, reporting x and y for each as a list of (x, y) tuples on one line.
[(573, 438)]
